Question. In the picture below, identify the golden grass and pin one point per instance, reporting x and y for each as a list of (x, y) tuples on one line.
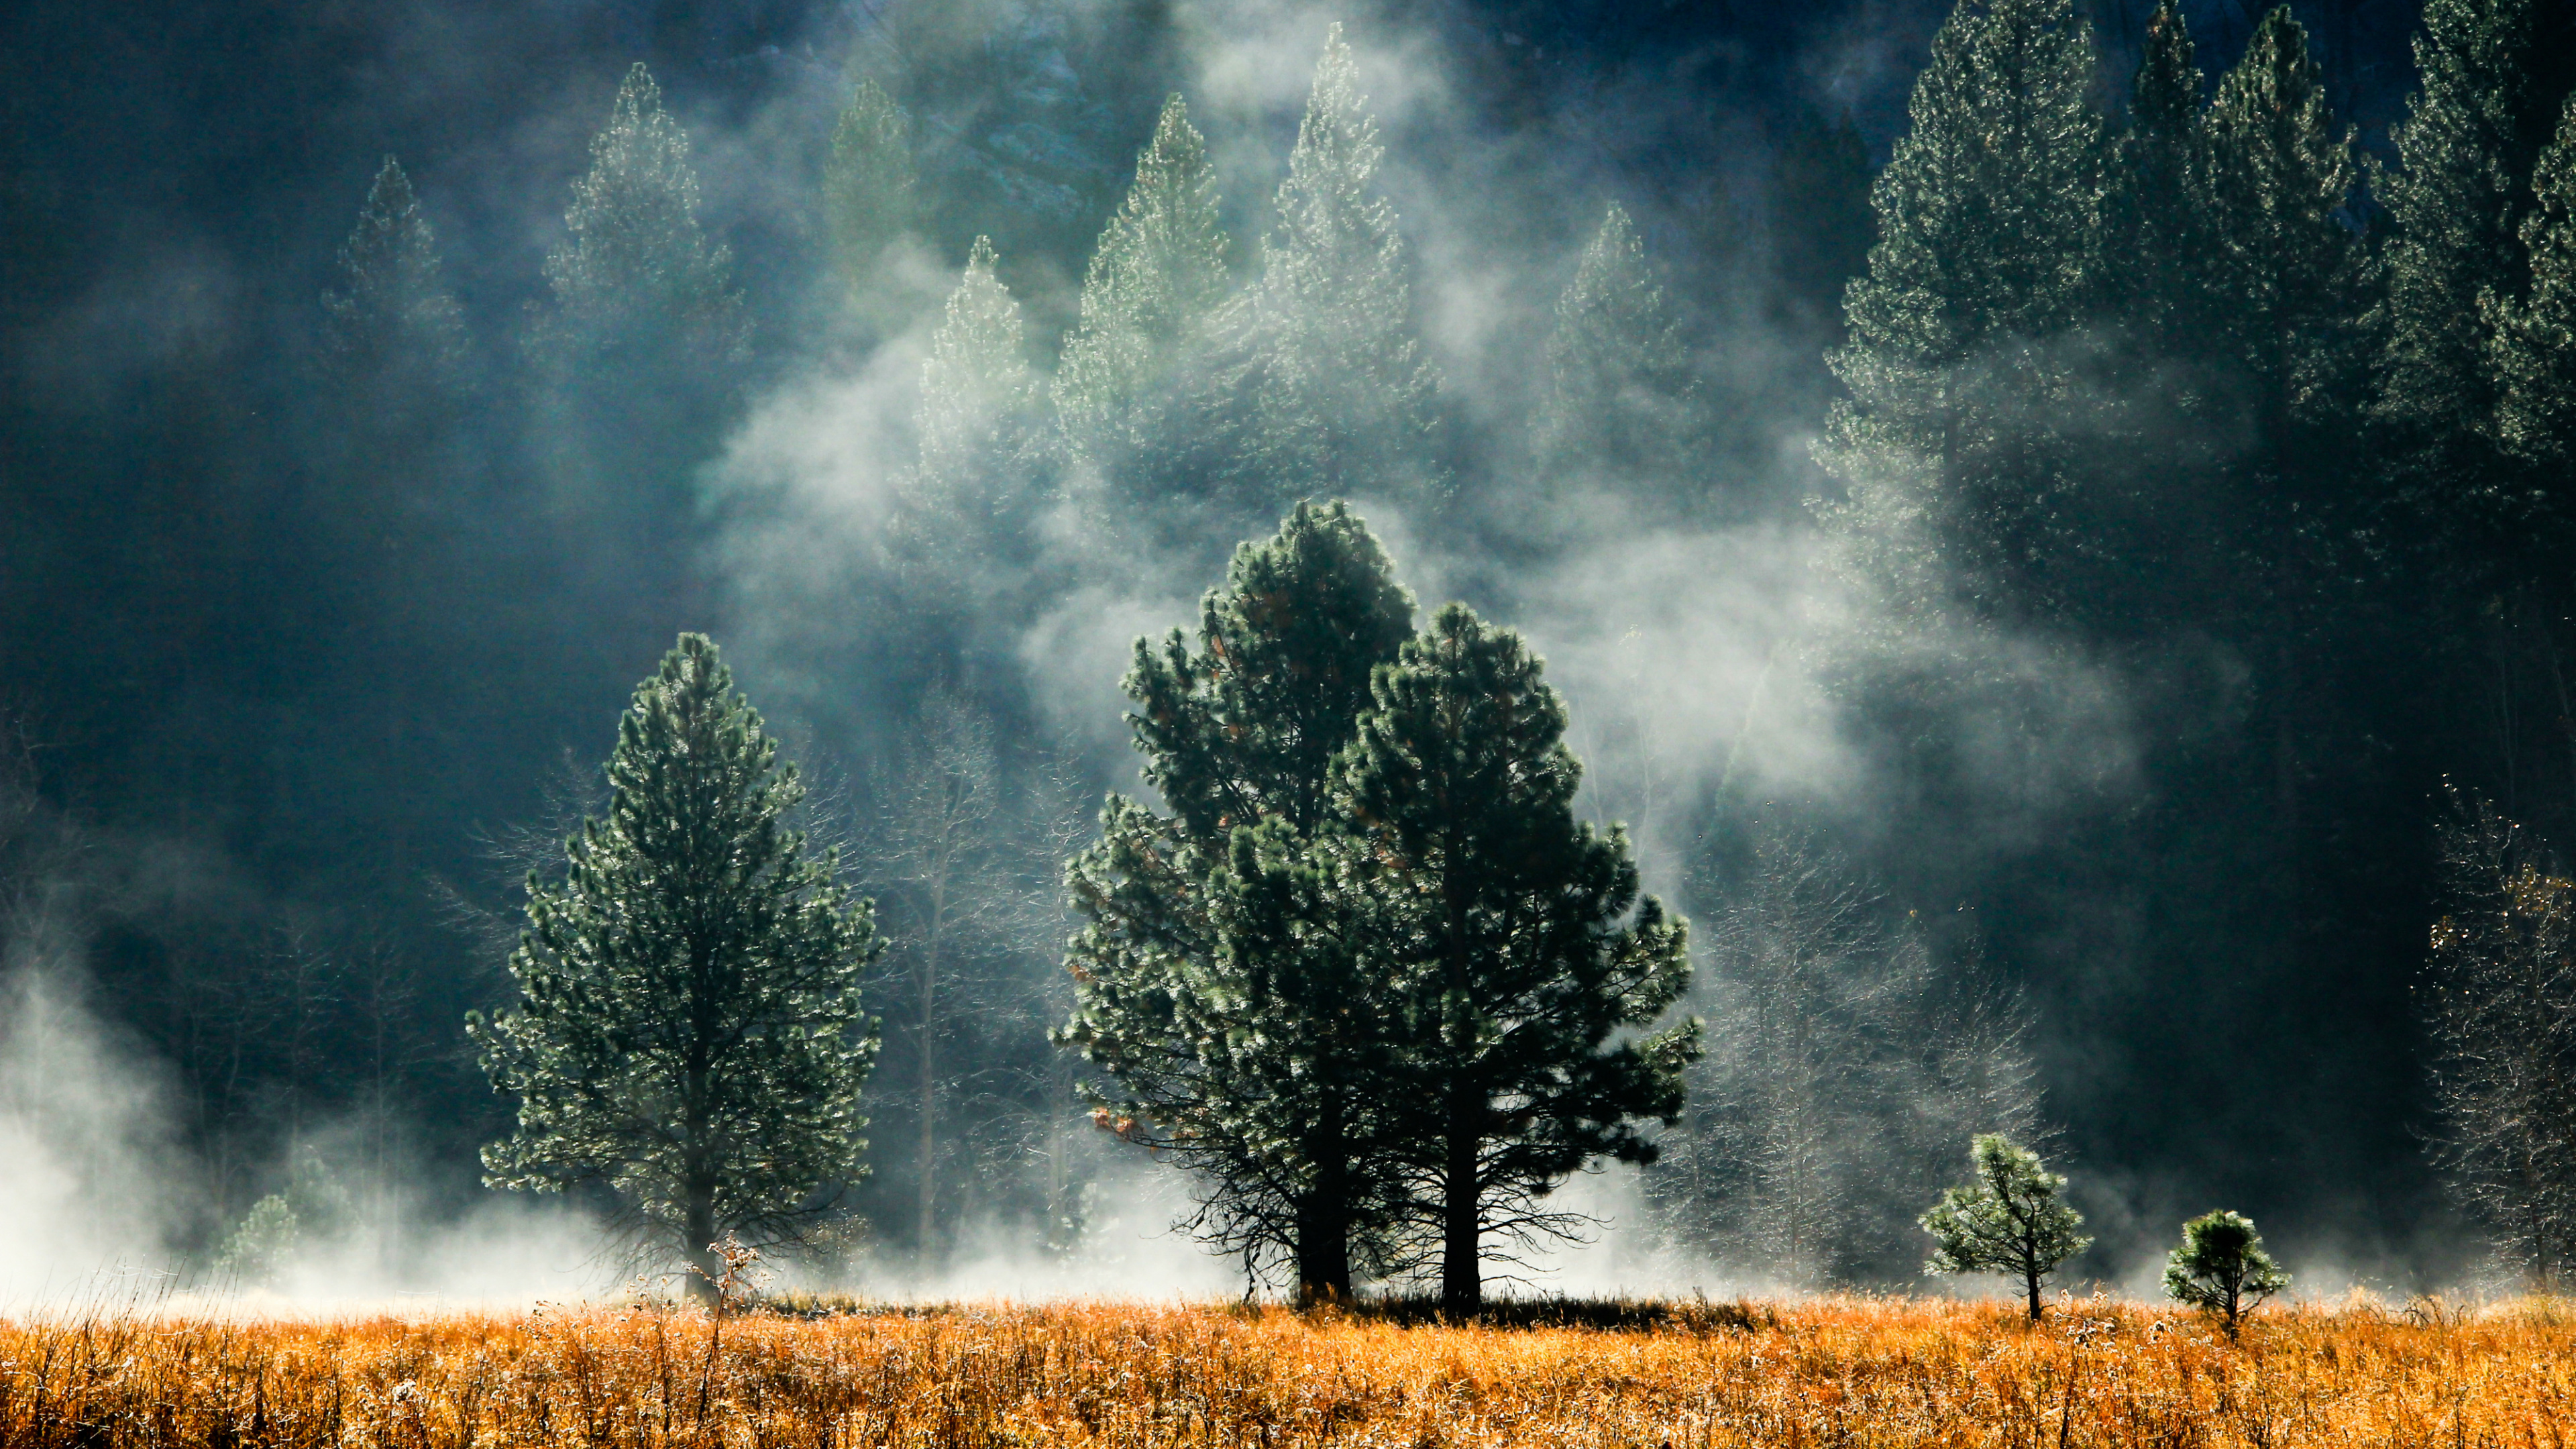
[(1828, 1372)]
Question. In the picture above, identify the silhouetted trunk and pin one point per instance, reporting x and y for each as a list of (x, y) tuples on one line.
[(1462, 1289), (699, 1226)]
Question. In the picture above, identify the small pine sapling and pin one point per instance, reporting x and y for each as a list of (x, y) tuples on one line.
[(2011, 1220), (2221, 1268)]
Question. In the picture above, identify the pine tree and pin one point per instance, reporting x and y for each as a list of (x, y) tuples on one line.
[(2221, 1268), (688, 1034), (2156, 208), (1155, 284), (977, 393), (1341, 394), (2535, 349), (868, 184), (2288, 270), (1220, 998), (1626, 409), (391, 313), (2489, 95), (638, 282), (2010, 1220), (1953, 448), (1517, 935)]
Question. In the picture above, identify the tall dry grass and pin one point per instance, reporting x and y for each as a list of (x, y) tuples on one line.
[(1830, 1372)]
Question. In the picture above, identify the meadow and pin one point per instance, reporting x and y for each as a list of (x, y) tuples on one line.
[(1837, 1371)]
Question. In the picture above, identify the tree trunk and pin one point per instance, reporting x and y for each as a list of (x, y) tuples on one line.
[(1462, 1218), (1323, 1247), (2030, 1280), (699, 1228)]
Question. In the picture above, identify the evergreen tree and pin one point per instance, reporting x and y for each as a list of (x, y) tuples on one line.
[(1341, 395), (1508, 924), (2288, 269), (1625, 410), (1214, 990), (2156, 208), (2010, 1220), (391, 313), (1155, 284), (1953, 448), (2221, 1267), (688, 1034), (2489, 94), (868, 184), (2535, 348), (638, 283), (977, 395)]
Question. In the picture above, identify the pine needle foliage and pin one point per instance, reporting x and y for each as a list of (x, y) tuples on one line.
[(688, 1034), (869, 182), (1525, 955), (1625, 408), (1219, 997), (2222, 1268), (2010, 1220), (2535, 345), (391, 310), (977, 392)]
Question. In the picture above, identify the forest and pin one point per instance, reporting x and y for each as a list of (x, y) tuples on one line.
[(2022, 544)]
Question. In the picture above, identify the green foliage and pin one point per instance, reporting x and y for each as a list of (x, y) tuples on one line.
[(688, 1033), (391, 309), (2221, 1267), (1508, 927), (262, 1247), (868, 184), (978, 394), (1626, 408), (2010, 1220), (2156, 210), (1154, 286), (1341, 393), (2535, 343), (1957, 449), (638, 280), (1215, 989)]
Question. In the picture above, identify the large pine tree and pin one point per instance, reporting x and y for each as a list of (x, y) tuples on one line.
[(1341, 395), (1954, 447), (688, 1034), (2535, 355), (1625, 413), (2156, 205), (1220, 999), (1155, 283), (1523, 952)]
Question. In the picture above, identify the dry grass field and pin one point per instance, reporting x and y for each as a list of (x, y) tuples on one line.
[(1827, 1372)]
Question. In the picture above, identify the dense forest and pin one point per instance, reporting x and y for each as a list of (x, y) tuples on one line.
[(2044, 520)]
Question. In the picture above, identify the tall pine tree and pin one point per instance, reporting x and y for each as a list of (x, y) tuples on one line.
[(1341, 396), (391, 315), (1625, 413), (2156, 206), (868, 185), (688, 1035), (2535, 354), (1221, 1001), (1517, 936)]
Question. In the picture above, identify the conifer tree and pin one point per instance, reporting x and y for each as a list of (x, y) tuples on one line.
[(1517, 935), (2489, 94), (688, 1034), (1341, 394), (1625, 409), (637, 282), (868, 183), (391, 312), (2288, 270), (2157, 204), (1219, 997), (1154, 285), (2010, 1220), (1952, 447), (2221, 1268), (2535, 348), (977, 392)]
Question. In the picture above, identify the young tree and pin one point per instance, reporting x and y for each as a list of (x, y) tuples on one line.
[(1626, 408), (2489, 95), (1954, 447), (1517, 937), (1233, 1037), (868, 184), (1155, 285), (2010, 1220), (2221, 1267), (688, 1034), (2500, 996), (391, 312), (1341, 394)]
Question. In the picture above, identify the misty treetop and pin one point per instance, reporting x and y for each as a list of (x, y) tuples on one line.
[(687, 1035)]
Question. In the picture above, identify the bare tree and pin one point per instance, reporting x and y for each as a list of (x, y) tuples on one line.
[(2500, 999)]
